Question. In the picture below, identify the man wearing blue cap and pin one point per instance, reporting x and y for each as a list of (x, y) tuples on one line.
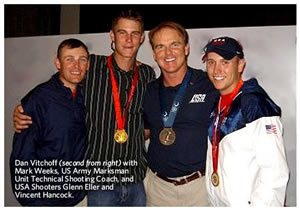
[(246, 163)]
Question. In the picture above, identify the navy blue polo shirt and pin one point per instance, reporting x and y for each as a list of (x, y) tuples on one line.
[(188, 153), (58, 133)]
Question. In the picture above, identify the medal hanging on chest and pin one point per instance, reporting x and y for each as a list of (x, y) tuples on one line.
[(121, 135), (215, 180), (167, 135)]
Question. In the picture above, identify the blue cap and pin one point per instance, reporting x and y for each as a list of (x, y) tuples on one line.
[(226, 47)]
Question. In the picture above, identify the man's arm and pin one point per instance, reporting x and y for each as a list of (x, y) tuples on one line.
[(25, 149), (271, 182), (21, 121)]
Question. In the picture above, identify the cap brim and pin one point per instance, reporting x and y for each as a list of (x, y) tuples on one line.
[(225, 54)]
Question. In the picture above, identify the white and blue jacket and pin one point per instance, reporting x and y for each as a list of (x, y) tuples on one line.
[(252, 165)]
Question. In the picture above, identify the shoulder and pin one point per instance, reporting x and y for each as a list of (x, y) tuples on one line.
[(40, 89), (151, 97), (199, 72), (257, 105), (147, 69), (97, 60), (152, 89), (38, 95), (97, 64), (97, 57), (201, 81), (154, 85), (200, 76)]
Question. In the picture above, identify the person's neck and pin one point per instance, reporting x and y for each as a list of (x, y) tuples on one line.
[(174, 79), (234, 89), (125, 63), (71, 86)]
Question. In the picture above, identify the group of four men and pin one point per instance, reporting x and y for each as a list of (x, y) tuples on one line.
[(214, 138)]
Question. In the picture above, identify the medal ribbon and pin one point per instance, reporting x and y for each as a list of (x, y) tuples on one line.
[(168, 120), (121, 119), (218, 124)]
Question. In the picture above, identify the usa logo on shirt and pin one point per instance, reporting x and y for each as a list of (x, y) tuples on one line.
[(271, 129), (198, 98)]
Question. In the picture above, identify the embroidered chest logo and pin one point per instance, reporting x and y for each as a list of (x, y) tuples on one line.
[(198, 98)]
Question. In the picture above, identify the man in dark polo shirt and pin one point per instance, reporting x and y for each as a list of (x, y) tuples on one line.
[(58, 133), (176, 114)]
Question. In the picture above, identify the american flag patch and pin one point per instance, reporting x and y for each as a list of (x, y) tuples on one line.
[(271, 129)]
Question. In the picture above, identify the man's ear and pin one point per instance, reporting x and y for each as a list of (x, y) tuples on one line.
[(57, 63), (88, 66), (112, 35), (154, 56), (142, 38), (241, 65), (187, 49)]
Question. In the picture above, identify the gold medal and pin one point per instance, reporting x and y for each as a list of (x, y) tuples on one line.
[(121, 136), (215, 179), (167, 136)]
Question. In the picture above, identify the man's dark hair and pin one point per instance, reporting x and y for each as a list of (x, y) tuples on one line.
[(131, 15), (71, 43)]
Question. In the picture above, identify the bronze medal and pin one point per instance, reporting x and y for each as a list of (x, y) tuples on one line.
[(215, 179), (167, 136), (121, 136)]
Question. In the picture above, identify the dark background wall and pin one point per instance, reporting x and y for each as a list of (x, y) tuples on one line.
[(31, 20), (39, 20), (194, 16)]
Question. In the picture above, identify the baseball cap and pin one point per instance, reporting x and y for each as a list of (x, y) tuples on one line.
[(226, 47)]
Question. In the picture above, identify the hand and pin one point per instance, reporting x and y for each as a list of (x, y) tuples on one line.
[(21, 121), (146, 134)]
